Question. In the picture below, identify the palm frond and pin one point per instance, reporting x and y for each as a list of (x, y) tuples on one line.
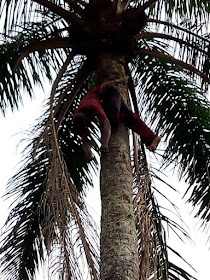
[(17, 13), (168, 37), (196, 11), (38, 65), (188, 47), (55, 177), (76, 5), (181, 113), (72, 146), (148, 4), (56, 213), (169, 58), (41, 46), (36, 219), (9, 11), (58, 10), (176, 272), (152, 244), (60, 198), (68, 89), (19, 256)]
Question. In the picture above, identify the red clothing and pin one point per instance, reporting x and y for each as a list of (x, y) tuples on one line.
[(132, 121), (91, 104)]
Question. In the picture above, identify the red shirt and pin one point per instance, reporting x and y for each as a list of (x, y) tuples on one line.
[(91, 104)]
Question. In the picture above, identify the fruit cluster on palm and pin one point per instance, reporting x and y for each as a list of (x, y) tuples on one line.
[(162, 69)]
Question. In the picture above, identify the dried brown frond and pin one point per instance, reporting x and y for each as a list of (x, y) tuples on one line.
[(64, 210), (152, 253), (144, 224), (67, 227), (64, 101)]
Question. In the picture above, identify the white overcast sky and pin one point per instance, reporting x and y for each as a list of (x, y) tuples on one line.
[(196, 253)]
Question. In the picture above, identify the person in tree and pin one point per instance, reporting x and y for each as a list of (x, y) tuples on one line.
[(106, 103)]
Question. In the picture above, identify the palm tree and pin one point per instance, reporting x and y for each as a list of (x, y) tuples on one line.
[(162, 69)]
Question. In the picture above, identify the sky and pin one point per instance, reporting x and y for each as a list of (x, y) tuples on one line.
[(12, 131)]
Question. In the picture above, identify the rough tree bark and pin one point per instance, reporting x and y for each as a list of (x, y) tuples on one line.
[(119, 259)]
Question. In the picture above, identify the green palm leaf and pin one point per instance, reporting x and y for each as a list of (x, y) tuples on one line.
[(185, 125), (187, 9), (40, 65)]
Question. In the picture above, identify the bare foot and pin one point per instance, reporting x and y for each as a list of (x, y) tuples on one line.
[(87, 149), (104, 148), (154, 144)]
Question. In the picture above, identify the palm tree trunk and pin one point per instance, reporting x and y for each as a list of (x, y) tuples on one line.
[(119, 258)]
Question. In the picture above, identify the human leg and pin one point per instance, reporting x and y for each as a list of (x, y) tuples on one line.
[(105, 135), (117, 111), (82, 121), (148, 137), (152, 147), (112, 104)]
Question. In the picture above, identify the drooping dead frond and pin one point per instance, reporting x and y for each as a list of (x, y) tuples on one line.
[(52, 180), (65, 212), (152, 246), (62, 201), (152, 250), (64, 100), (67, 223)]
